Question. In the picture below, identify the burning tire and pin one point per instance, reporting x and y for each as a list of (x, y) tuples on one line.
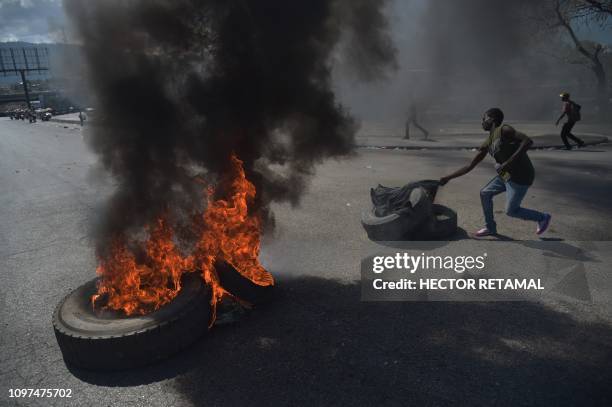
[(242, 287), (110, 341)]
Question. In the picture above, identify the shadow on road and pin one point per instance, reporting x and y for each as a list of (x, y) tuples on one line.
[(318, 344), (561, 250), (424, 244)]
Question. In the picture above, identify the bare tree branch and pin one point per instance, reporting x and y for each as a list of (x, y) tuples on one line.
[(562, 17), (565, 23), (602, 6)]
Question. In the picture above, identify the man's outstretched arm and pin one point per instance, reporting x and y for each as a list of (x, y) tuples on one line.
[(565, 112), (482, 153), (559, 119)]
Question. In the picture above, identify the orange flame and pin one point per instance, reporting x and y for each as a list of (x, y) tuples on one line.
[(228, 233)]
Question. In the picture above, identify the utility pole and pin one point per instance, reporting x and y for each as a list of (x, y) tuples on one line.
[(25, 88)]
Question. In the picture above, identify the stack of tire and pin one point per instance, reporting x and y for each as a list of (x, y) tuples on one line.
[(421, 219), (108, 340)]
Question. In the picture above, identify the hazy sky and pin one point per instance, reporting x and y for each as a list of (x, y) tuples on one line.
[(31, 20), (412, 22), (43, 20)]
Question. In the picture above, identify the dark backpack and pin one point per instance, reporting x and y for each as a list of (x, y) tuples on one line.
[(574, 114)]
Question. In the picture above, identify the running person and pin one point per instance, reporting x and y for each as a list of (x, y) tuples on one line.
[(571, 111), (412, 119), (515, 173)]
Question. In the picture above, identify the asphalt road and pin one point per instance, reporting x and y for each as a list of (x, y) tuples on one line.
[(317, 343)]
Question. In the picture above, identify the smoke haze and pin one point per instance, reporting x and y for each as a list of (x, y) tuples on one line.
[(457, 58)]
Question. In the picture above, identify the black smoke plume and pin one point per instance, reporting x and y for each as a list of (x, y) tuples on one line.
[(181, 84), (485, 53)]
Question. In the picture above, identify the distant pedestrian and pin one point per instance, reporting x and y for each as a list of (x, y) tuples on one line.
[(412, 119), (570, 109), (81, 117), (508, 147)]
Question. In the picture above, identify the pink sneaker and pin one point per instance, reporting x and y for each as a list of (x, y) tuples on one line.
[(484, 232), (543, 224)]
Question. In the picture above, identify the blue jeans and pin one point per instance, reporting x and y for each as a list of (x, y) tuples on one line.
[(514, 196)]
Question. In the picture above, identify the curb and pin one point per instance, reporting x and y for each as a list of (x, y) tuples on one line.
[(65, 121), (601, 140)]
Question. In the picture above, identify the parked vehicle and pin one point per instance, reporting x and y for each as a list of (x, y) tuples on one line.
[(44, 114)]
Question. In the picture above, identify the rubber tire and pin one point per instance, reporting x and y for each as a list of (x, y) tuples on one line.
[(396, 226), (111, 341), (243, 288), (442, 225)]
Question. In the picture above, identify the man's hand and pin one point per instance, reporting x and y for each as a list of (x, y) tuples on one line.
[(500, 168), (559, 119), (444, 180)]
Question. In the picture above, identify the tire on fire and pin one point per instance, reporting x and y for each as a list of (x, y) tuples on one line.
[(107, 340), (240, 286)]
